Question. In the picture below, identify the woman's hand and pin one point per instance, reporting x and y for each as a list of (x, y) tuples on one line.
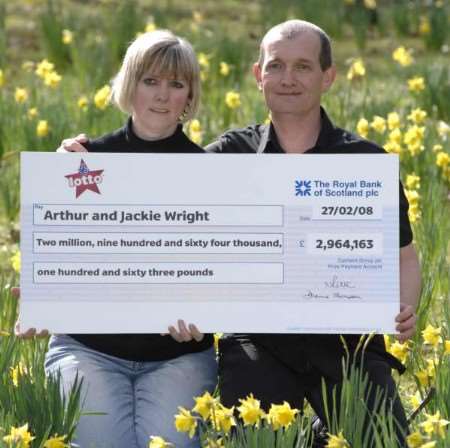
[(31, 332), (185, 333), (73, 144)]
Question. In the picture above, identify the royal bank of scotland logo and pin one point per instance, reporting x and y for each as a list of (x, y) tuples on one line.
[(302, 188)]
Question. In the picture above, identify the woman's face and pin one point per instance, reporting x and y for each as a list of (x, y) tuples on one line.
[(157, 105)]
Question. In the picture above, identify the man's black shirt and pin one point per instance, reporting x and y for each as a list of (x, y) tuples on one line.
[(323, 351)]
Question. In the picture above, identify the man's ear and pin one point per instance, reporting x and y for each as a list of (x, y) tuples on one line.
[(257, 75), (328, 78)]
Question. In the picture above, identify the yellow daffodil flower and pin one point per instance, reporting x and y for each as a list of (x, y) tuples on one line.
[(400, 351), (432, 335), (362, 127), (223, 419), (15, 261), (281, 415), (424, 26), (21, 95), (412, 182), (233, 99), (151, 26), (250, 410), (52, 79), (416, 84), (338, 441), (356, 70), (378, 124), (195, 131), (102, 97), (393, 120), (2, 78), (204, 405), (442, 159), (67, 37), (224, 69), (447, 347), (42, 128), (185, 422), (415, 440), (44, 68), (19, 437), (32, 113), (417, 116), (370, 4), (402, 56), (159, 442), (434, 424), (56, 442)]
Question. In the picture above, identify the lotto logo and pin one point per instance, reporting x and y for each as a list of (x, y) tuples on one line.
[(85, 179)]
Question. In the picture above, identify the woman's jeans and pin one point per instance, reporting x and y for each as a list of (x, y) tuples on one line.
[(138, 399)]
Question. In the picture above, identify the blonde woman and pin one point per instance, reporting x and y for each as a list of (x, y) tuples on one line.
[(139, 380)]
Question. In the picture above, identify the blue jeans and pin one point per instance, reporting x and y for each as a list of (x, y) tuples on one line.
[(139, 399)]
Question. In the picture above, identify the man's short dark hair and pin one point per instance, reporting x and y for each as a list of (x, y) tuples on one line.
[(291, 29)]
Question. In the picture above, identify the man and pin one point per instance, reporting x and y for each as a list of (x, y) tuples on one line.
[(293, 71)]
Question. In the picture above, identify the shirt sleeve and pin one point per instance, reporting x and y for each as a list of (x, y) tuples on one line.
[(406, 235)]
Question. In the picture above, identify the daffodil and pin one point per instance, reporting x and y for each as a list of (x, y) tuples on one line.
[(233, 99), (362, 127), (16, 372), (158, 442), (223, 419), (195, 131), (413, 138), (102, 97), (422, 376), (281, 415), (400, 351), (424, 25), (15, 261), (447, 347), (396, 136), (356, 70), (67, 37), (432, 335), (185, 422), (224, 69), (370, 4), (19, 437), (20, 95), (417, 116), (393, 120), (83, 102), (32, 113), (52, 79), (56, 442), (434, 424), (378, 124), (151, 26), (338, 441), (415, 440), (412, 181), (197, 16), (416, 84), (42, 128), (392, 147), (2, 78), (204, 405), (415, 400), (442, 159), (402, 56), (250, 410), (44, 68), (203, 61)]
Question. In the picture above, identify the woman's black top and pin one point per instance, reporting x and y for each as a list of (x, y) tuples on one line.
[(142, 347)]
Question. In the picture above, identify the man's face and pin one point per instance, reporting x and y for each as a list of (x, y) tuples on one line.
[(291, 78)]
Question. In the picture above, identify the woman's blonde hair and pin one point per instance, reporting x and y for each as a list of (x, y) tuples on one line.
[(161, 53)]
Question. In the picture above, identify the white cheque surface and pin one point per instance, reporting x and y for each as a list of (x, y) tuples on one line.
[(129, 243)]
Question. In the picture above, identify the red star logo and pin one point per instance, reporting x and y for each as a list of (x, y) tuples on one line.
[(85, 179)]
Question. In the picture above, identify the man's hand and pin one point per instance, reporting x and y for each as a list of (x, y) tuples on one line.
[(31, 332), (185, 334), (73, 144), (406, 322)]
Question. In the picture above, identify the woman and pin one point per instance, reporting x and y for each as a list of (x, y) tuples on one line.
[(137, 380)]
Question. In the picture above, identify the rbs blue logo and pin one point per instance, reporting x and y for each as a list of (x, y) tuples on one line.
[(302, 188)]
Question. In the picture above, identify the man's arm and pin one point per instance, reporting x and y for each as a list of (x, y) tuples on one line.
[(410, 284)]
